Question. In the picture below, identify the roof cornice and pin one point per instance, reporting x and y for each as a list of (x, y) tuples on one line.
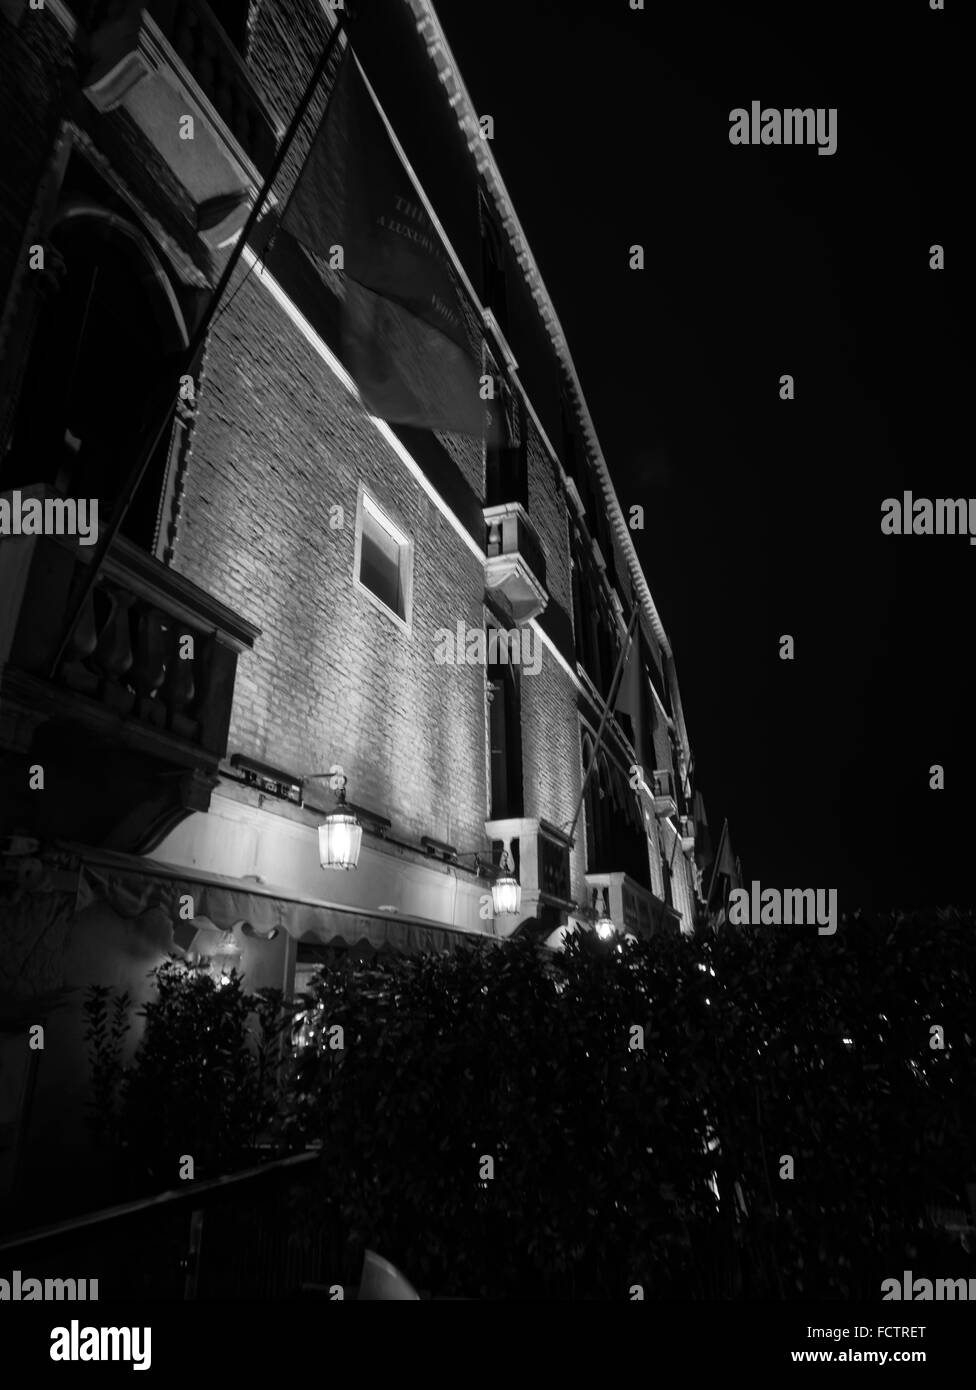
[(438, 50)]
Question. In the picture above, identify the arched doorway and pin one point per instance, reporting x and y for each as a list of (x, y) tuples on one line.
[(98, 372)]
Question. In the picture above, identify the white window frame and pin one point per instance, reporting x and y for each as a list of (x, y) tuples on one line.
[(366, 502)]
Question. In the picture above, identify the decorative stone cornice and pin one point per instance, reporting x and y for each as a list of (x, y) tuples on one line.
[(439, 52)]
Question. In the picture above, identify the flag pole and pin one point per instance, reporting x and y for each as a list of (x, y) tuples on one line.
[(718, 860), (196, 343), (607, 710), (151, 438)]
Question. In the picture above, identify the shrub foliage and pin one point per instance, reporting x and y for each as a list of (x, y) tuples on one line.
[(618, 1157), (202, 1082)]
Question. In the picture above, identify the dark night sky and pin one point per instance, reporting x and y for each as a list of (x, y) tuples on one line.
[(763, 516)]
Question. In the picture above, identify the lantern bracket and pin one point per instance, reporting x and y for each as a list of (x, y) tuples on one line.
[(338, 781), (483, 865)]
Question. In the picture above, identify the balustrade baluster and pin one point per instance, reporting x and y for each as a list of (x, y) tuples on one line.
[(149, 668), (202, 675), (75, 670), (179, 685), (113, 654)]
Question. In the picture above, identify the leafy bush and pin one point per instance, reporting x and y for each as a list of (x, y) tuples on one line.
[(202, 1082), (618, 1159), (616, 1166), (106, 1025)]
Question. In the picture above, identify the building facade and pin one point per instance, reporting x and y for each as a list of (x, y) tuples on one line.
[(299, 590)]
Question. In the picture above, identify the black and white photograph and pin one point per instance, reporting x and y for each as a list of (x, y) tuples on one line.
[(486, 698)]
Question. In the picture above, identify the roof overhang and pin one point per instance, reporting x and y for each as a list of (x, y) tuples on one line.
[(439, 52)]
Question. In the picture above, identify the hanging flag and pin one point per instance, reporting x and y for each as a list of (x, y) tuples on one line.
[(726, 865), (727, 862), (411, 337), (704, 848)]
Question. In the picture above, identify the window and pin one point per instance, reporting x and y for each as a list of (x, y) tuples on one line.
[(384, 558), (506, 476), (505, 738), (494, 295)]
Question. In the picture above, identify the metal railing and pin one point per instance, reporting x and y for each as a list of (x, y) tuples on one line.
[(248, 1235)]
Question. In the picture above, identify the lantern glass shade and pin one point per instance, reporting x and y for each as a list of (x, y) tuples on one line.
[(506, 894), (340, 838), (604, 927)]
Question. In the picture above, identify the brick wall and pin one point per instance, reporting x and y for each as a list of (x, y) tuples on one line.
[(277, 441), (468, 454), (284, 42)]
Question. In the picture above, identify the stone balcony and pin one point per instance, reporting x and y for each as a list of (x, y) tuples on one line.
[(130, 725), (540, 855), (663, 798), (516, 564), (167, 60), (634, 910)]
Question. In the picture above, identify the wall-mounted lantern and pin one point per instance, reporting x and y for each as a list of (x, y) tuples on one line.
[(340, 834), (506, 891), (603, 925), (214, 950)]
